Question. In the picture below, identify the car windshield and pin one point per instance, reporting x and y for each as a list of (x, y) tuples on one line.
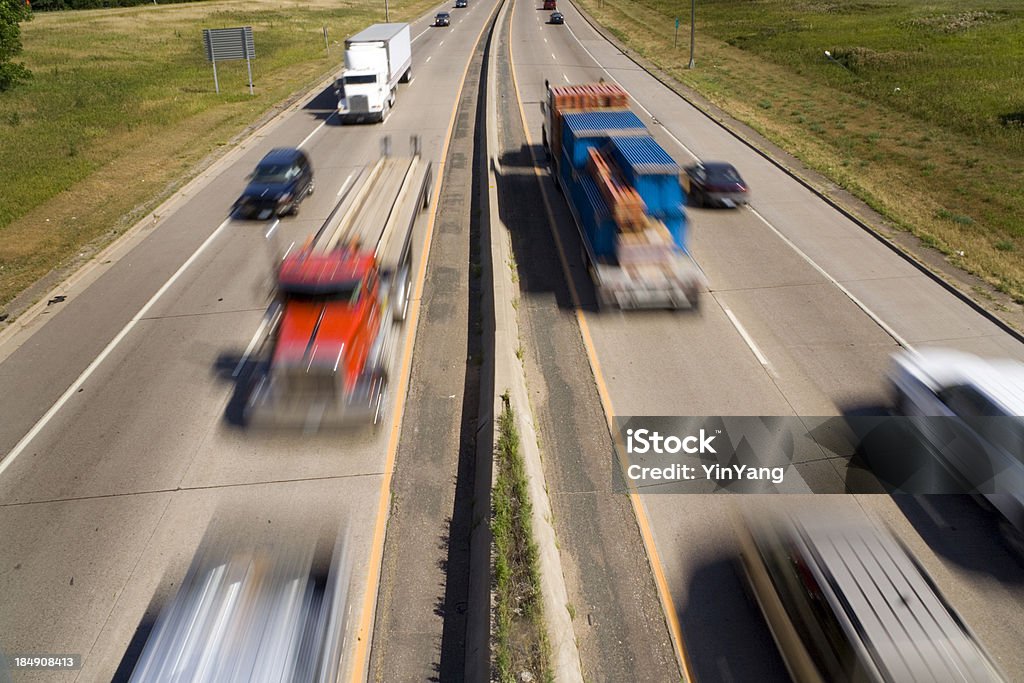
[(368, 78), (274, 173), (442, 16), (724, 175)]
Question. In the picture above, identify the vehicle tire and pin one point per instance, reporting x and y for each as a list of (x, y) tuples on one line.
[(694, 297), (407, 76), (312, 188), (294, 211), (402, 289)]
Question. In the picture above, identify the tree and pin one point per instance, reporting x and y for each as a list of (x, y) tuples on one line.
[(12, 13)]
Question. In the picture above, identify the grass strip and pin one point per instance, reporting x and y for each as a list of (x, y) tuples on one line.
[(521, 646), (916, 110)]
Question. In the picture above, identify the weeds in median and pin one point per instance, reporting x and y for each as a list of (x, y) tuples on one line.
[(521, 643)]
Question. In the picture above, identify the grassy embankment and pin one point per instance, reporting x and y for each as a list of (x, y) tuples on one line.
[(921, 114), (521, 641), (122, 107)]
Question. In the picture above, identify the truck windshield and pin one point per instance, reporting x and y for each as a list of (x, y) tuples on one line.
[(355, 80), (314, 293)]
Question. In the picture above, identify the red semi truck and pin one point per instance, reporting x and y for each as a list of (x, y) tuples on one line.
[(340, 302)]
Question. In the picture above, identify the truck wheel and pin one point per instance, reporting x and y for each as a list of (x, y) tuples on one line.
[(402, 290), (312, 188), (407, 77)]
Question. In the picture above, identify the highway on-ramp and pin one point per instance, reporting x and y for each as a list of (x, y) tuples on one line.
[(117, 448), (804, 311)]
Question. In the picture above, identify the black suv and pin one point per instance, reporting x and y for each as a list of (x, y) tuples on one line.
[(281, 180)]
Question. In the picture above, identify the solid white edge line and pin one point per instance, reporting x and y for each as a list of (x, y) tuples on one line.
[(73, 389), (860, 304), (871, 314), (645, 109)]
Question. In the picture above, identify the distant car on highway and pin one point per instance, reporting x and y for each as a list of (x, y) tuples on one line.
[(715, 183), (461, 4), (550, 5), (443, 19), (846, 602), (968, 410), (282, 179), (556, 18)]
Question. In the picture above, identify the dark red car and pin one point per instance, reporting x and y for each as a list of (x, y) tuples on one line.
[(715, 183)]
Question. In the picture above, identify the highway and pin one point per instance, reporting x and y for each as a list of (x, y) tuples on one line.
[(804, 310), (118, 448)]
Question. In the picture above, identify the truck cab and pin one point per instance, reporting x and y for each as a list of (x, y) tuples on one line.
[(330, 351), (364, 94)]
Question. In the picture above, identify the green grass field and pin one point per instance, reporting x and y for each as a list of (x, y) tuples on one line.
[(920, 112), (122, 107)]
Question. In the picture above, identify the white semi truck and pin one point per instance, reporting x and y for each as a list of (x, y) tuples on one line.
[(376, 60)]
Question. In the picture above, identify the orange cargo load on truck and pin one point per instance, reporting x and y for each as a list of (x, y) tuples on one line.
[(563, 99)]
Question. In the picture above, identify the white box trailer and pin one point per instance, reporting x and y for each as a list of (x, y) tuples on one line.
[(376, 60)]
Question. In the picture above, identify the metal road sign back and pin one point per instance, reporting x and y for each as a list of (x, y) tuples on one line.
[(229, 43)]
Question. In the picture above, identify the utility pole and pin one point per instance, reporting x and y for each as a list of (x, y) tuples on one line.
[(387, 14)]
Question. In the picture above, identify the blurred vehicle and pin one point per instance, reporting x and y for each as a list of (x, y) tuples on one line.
[(377, 59), (280, 182), (715, 183), (846, 602), (623, 191), (968, 410), (550, 5), (340, 302), (460, 4), (443, 19), (556, 18), (243, 614)]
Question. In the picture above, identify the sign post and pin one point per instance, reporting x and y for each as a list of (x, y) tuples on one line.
[(675, 41)]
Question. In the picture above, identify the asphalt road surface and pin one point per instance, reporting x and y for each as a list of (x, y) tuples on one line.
[(103, 507), (804, 310)]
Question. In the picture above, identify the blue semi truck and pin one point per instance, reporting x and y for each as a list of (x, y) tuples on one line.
[(624, 192)]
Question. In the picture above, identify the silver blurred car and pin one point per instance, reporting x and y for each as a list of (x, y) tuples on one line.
[(846, 602), (968, 411)]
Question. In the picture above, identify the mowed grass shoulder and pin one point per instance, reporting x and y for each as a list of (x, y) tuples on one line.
[(122, 107), (920, 111)]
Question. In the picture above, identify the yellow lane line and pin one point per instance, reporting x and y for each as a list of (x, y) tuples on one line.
[(664, 594), (362, 653)]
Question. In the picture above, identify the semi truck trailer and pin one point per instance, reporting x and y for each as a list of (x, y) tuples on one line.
[(376, 60), (624, 192)]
